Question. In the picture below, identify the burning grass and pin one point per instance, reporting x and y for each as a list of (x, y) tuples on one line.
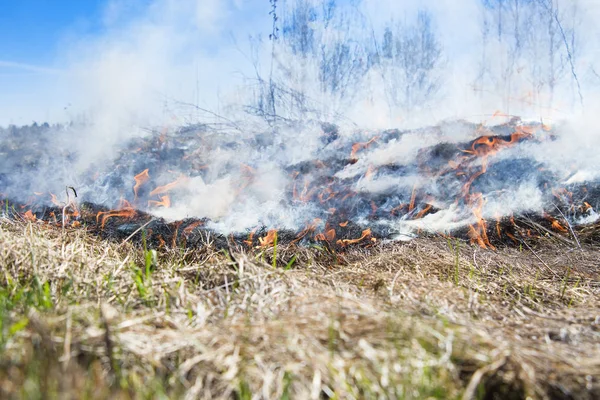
[(431, 318)]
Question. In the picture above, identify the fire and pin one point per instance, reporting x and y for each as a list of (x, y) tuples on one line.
[(306, 194), (424, 211), (163, 135), (326, 195), (370, 171), (165, 201), (478, 231), (169, 186), (246, 179), (482, 148), (586, 206), (413, 196), (308, 229), (140, 179), (356, 147), (29, 216), (328, 236), (188, 229), (365, 234), (397, 209), (556, 225), (124, 210), (268, 239), (54, 200), (250, 239)]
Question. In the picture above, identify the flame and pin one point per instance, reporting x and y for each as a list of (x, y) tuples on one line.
[(174, 239), (163, 135), (250, 239), (512, 237), (54, 200), (326, 195), (247, 178), (165, 201), (499, 113), (482, 148), (345, 242), (328, 236), (374, 207), (370, 171), (563, 195), (308, 229), (188, 229), (29, 216), (413, 196), (478, 231), (397, 209), (557, 226), (140, 179), (356, 147), (268, 239), (169, 186), (306, 194), (498, 230), (125, 210), (424, 211)]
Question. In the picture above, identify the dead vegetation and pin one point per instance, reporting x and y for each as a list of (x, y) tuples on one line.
[(83, 317)]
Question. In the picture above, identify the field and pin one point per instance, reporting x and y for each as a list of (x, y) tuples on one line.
[(85, 317)]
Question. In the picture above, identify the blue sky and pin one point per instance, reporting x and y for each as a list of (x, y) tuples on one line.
[(31, 35), (32, 30), (46, 44)]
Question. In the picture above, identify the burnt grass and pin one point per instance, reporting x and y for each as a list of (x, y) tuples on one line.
[(188, 233)]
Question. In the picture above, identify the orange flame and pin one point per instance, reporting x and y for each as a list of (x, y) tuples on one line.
[(188, 229), (169, 186), (54, 200), (165, 201), (124, 210), (424, 211), (356, 147), (345, 242), (308, 229), (268, 239), (250, 239), (557, 226), (29, 216), (478, 231), (413, 196), (397, 209), (140, 179), (326, 195), (328, 236)]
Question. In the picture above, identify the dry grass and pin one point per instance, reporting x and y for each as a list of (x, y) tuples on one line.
[(86, 318)]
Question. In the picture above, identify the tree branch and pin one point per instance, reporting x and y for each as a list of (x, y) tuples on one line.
[(569, 56)]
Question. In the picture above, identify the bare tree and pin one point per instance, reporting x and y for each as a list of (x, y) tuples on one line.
[(410, 59), (534, 48)]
